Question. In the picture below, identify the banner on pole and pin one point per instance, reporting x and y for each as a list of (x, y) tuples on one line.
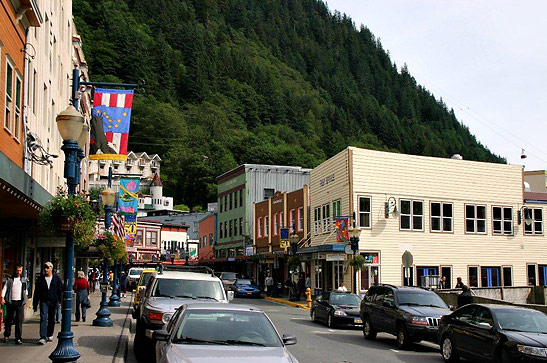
[(342, 229), (130, 229), (110, 123), (128, 201)]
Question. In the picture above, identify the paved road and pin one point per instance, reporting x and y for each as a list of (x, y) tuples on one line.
[(319, 344)]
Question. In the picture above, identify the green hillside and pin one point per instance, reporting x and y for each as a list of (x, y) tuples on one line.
[(259, 81)]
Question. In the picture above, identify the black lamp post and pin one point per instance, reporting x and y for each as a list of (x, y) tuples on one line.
[(354, 234), (114, 298), (103, 315), (70, 123)]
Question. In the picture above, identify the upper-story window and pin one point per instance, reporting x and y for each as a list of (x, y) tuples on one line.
[(364, 212), (276, 224), (8, 112), (475, 218), (266, 225), (241, 198), (502, 220), (235, 199), (151, 238), (231, 197), (536, 227), (260, 227), (412, 215), (300, 219), (292, 218), (139, 237), (220, 204), (442, 217), (18, 121), (211, 239), (326, 223), (231, 228), (317, 220)]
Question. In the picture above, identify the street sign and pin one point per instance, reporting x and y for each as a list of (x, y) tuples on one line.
[(284, 243), (284, 234), (348, 250), (408, 259)]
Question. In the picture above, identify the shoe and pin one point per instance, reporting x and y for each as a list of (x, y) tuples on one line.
[(18, 341), (49, 339), (5, 339), (83, 319), (42, 341)]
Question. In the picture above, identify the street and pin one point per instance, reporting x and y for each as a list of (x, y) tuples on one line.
[(317, 343)]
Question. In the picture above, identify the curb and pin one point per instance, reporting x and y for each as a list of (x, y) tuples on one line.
[(286, 302), (120, 356)]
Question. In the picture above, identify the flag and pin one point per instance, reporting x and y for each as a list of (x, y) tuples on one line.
[(342, 229), (117, 225), (111, 117), (128, 202)]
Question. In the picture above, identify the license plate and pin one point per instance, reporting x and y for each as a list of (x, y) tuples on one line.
[(249, 293), (358, 321)]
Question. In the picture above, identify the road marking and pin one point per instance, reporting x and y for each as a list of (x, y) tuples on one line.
[(393, 350), (307, 319)]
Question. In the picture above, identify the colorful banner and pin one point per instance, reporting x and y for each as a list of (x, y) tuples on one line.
[(111, 118), (128, 201), (130, 229), (342, 229)]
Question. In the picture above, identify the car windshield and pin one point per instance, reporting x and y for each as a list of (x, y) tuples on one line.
[(226, 327), (134, 273), (344, 299), (424, 298), (522, 320), (229, 276), (145, 278), (244, 282), (188, 288)]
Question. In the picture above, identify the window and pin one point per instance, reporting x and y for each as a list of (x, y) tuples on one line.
[(204, 241), (502, 220), (326, 223), (336, 209), (542, 269), (18, 126), (266, 225), (225, 229), (241, 198), (412, 215), (241, 226), (473, 276), (536, 227), (422, 272), (8, 122), (226, 202), (231, 205), (441, 217), (490, 276), (508, 276), (139, 236), (220, 204), (364, 212), (317, 220), (268, 193), (231, 228), (281, 220), (475, 218), (465, 314), (235, 199), (211, 242), (260, 227), (151, 238), (276, 224), (221, 231), (531, 274), (300, 219), (292, 218)]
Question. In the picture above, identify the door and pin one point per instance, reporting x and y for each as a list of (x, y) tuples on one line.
[(542, 275), (461, 322), (490, 276), (376, 308), (481, 337), (446, 271), (322, 307), (388, 312)]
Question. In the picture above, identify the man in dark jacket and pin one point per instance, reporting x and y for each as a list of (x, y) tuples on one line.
[(465, 298), (14, 296), (47, 293)]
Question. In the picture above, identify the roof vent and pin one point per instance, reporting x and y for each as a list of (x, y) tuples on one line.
[(456, 157)]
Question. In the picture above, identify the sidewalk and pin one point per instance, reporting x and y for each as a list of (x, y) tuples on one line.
[(95, 344)]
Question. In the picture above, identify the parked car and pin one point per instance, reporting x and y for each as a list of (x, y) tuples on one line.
[(228, 280), (337, 309), (246, 288), (494, 333), (168, 289), (133, 277), (224, 333), (411, 314), (146, 275)]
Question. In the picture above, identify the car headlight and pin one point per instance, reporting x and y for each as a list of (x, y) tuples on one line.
[(418, 320), (340, 313), (166, 317), (538, 352), (240, 290)]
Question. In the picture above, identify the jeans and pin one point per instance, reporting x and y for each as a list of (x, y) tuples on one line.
[(81, 296), (47, 319), (58, 313), (14, 316)]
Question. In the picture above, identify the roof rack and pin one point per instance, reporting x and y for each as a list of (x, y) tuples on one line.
[(199, 269)]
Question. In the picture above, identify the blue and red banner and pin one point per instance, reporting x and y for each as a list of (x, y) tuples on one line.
[(111, 118), (342, 229)]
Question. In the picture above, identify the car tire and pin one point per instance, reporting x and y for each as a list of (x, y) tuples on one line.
[(403, 340), (138, 341), (447, 350), (330, 321), (505, 356), (368, 330), (313, 316)]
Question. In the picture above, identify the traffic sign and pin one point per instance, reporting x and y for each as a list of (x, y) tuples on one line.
[(408, 259)]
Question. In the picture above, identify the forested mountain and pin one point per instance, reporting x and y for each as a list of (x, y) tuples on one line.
[(259, 81)]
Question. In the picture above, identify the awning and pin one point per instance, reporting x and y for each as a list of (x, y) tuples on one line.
[(337, 247)]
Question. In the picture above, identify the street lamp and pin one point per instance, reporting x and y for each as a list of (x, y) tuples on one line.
[(69, 123), (527, 216), (103, 315), (354, 234), (294, 238)]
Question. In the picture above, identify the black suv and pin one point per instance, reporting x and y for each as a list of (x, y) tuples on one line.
[(411, 314)]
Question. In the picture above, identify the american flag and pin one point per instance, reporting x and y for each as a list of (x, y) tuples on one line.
[(117, 225)]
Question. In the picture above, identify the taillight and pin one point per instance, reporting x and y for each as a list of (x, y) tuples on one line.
[(155, 316)]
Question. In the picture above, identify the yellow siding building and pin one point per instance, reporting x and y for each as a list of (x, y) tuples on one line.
[(457, 218)]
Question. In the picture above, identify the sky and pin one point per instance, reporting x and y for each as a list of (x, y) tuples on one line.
[(486, 59)]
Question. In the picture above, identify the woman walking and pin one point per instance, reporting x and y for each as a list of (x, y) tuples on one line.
[(82, 292)]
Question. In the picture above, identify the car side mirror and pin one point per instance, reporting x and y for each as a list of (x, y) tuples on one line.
[(289, 339), (230, 295), (485, 326), (451, 307), (160, 335)]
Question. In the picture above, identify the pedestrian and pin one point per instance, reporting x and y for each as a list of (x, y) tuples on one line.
[(459, 283), (92, 281), (268, 284), (342, 288), (14, 296), (123, 284), (111, 279), (301, 286), (81, 288), (308, 282), (47, 295), (465, 297), (442, 283)]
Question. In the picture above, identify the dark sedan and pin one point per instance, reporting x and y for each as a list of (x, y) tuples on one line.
[(246, 287), (494, 333), (337, 309)]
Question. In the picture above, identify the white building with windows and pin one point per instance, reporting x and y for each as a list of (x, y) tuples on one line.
[(457, 218)]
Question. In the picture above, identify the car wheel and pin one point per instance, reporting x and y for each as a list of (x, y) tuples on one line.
[(368, 331), (448, 350), (313, 316), (330, 321), (138, 342), (402, 337), (505, 356)]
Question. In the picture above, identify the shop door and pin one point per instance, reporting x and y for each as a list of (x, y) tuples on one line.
[(338, 273), (369, 276)]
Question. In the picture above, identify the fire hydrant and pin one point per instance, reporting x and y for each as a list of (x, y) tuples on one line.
[(308, 297)]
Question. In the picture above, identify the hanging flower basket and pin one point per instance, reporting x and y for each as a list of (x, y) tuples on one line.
[(357, 262), (111, 248)]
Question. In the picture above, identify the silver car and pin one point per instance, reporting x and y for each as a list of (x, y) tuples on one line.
[(213, 332)]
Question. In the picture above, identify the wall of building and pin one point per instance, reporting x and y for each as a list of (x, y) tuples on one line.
[(207, 228), (537, 180)]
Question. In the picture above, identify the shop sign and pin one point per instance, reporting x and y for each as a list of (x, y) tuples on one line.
[(326, 180), (370, 258), (336, 257), (249, 251)]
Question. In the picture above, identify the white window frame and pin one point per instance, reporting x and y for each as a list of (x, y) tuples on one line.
[(441, 217), (364, 213), (292, 220), (260, 227), (300, 221), (475, 219), (326, 221), (502, 221), (8, 100), (17, 115), (317, 220), (266, 226), (276, 224), (531, 229), (411, 216)]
